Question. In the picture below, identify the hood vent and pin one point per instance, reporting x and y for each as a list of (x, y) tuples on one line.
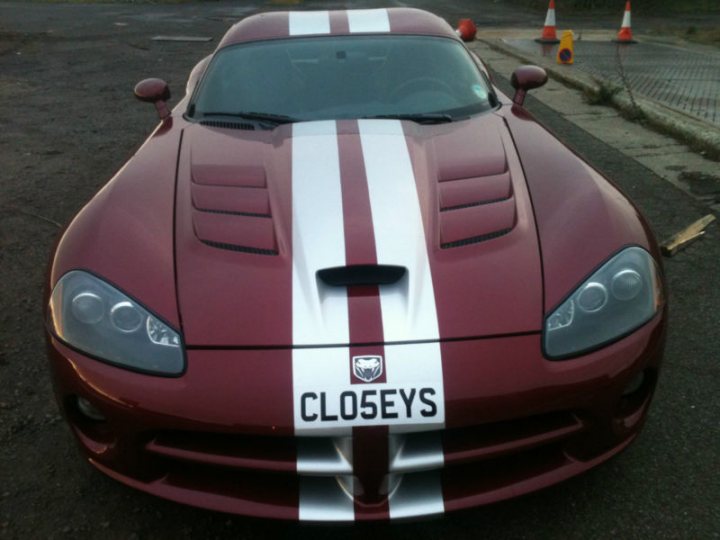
[(231, 209), (362, 274), (476, 202), (241, 249), (477, 209), (474, 239)]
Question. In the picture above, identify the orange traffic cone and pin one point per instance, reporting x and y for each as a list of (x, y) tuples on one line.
[(625, 33), (549, 35)]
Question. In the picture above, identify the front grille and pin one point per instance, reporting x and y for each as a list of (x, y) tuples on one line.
[(234, 451), (505, 438), (501, 477), (467, 464)]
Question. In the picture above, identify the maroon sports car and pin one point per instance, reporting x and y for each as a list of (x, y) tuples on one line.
[(346, 278)]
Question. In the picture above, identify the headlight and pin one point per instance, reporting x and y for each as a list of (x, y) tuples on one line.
[(618, 298), (96, 318)]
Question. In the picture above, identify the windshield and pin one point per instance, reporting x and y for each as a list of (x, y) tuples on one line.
[(344, 77)]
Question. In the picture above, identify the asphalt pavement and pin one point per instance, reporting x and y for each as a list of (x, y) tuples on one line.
[(69, 122)]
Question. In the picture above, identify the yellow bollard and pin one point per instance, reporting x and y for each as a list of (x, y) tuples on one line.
[(566, 51)]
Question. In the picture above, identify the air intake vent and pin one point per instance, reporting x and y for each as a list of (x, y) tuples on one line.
[(231, 208), (365, 274), (241, 249), (474, 239), (476, 209), (227, 125)]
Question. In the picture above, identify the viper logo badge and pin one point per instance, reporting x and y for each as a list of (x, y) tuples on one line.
[(367, 368)]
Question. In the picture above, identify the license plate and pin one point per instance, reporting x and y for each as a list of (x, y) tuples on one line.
[(365, 405)]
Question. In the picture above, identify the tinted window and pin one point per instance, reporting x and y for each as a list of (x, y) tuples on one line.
[(344, 77)]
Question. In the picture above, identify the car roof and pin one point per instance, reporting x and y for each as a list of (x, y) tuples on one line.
[(287, 24)]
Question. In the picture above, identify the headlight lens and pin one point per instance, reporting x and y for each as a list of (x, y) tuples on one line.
[(98, 319), (621, 296)]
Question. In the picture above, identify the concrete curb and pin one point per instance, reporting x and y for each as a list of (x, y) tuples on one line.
[(699, 135)]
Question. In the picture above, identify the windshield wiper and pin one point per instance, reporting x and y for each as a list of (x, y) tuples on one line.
[(275, 119), (420, 118)]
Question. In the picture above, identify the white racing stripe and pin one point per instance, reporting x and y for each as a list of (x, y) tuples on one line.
[(412, 398), (408, 308), (368, 20), (322, 499), (304, 23), (321, 376), (408, 314), (318, 316)]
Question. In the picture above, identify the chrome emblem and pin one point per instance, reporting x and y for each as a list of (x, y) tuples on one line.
[(367, 368)]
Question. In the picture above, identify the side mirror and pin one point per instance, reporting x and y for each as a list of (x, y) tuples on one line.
[(154, 91), (526, 78)]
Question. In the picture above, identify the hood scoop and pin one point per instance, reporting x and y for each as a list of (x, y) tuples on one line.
[(476, 201), (231, 208), (362, 275)]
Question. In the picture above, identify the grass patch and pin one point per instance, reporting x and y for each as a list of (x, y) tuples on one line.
[(602, 94)]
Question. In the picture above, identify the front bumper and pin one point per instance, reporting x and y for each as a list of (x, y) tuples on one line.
[(222, 437)]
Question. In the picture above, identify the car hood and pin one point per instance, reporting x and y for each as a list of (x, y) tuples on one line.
[(353, 232)]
